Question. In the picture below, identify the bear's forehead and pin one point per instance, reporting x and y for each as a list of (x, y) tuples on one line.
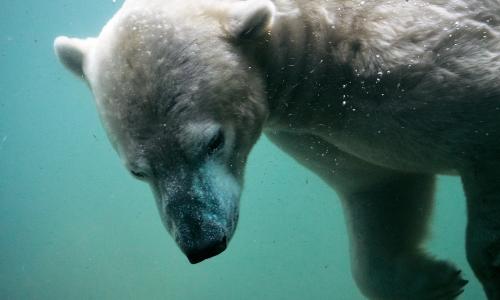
[(148, 69), (151, 72), (142, 57)]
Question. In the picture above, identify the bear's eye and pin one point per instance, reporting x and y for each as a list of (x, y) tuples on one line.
[(216, 142), (139, 175)]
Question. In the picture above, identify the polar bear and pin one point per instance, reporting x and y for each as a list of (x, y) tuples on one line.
[(376, 97)]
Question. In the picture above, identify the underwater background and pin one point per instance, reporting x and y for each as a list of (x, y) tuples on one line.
[(75, 225)]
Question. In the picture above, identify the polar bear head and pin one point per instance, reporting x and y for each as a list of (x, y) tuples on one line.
[(181, 105)]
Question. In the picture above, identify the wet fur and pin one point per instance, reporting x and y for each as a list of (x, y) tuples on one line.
[(376, 97)]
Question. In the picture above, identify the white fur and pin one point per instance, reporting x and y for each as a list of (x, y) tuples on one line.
[(374, 96)]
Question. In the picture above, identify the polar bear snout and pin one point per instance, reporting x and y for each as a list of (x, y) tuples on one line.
[(200, 236), (200, 209), (201, 230), (205, 249)]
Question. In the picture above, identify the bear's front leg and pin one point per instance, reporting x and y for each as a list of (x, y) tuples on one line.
[(482, 188), (387, 214), (387, 223)]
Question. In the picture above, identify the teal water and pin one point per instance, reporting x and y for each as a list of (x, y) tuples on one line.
[(75, 225)]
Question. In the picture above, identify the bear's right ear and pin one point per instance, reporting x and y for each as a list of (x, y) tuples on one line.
[(250, 18), (72, 51)]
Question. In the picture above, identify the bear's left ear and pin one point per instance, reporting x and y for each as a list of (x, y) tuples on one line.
[(251, 18), (72, 52)]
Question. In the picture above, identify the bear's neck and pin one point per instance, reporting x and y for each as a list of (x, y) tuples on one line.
[(306, 82)]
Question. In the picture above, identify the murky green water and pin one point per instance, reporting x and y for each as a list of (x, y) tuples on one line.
[(75, 225)]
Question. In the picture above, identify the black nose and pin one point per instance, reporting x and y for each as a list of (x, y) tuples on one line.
[(206, 250)]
